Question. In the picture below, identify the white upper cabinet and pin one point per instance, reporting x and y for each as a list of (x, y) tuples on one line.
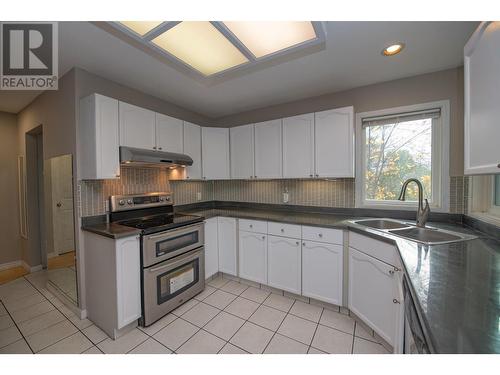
[(298, 146), (334, 143), (98, 133), (482, 98), (268, 149), (169, 134), (192, 147), (242, 152), (137, 127), (215, 153)]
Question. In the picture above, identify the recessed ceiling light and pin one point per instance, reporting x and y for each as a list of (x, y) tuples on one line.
[(200, 45), (393, 49), (264, 38), (141, 27)]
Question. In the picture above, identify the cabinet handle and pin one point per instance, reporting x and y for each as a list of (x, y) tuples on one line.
[(395, 301)]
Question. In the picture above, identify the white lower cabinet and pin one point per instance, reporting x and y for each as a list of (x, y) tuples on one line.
[(322, 271), (375, 295), (284, 265), (253, 256), (227, 245), (112, 270), (211, 247)]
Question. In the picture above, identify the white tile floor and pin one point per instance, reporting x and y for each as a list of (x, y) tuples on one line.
[(228, 317)]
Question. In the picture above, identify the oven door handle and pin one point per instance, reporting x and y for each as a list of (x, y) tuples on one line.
[(173, 232), (190, 256)]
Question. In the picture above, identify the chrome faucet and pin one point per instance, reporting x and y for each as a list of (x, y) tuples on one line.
[(422, 212)]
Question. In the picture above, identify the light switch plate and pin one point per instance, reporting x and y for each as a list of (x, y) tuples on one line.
[(198, 196)]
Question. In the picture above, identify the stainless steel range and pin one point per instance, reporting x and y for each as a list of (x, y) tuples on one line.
[(172, 252)]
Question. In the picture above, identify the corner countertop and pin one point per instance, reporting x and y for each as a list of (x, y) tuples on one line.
[(111, 230), (456, 286)]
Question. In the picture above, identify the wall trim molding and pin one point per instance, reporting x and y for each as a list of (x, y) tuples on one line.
[(8, 265), (29, 268)]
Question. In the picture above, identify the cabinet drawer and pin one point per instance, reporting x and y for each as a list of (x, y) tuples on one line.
[(253, 225), (327, 235), (378, 249), (284, 230)]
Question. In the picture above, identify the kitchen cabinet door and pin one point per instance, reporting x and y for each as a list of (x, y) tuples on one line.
[(211, 247), (252, 253), (322, 271), (215, 153), (128, 267), (482, 95), (169, 134), (137, 127), (242, 152), (192, 147), (284, 265), (268, 150), (228, 245), (334, 143), (99, 135), (374, 294), (298, 146)]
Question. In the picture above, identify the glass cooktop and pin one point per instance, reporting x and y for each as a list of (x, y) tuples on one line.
[(160, 222)]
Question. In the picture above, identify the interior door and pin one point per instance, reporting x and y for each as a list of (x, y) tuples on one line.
[(62, 200)]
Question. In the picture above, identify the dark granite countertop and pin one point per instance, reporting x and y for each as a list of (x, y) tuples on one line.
[(456, 286), (110, 230)]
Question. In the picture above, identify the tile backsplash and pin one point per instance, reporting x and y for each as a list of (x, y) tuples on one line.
[(321, 192)]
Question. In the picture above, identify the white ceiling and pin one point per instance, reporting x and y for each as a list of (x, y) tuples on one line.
[(352, 58)]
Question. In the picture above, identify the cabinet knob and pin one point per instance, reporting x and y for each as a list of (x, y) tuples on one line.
[(282, 230), (256, 176), (395, 301), (263, 237), (159, 148), (310, 175), (498, 166), (297, 243), (391, 272), (154, 147), (303, 244), (317, 175), (251, 225), (320, 235)]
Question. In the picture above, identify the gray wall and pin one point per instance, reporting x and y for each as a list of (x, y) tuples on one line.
[(446, 84), (88, 83), (9, 214), (55, 111)]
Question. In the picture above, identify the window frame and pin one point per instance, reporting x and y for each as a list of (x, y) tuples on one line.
[(440, 158)]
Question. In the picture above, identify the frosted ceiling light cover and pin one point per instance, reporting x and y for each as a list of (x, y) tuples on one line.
[(141, 27), (200, 45), (264, 38)]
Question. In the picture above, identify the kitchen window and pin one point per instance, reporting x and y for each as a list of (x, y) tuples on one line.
[(402, 143)]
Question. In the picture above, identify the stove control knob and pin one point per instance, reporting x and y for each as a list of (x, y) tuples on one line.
[(129, 201), (162, 199), (167, 198), (121, 202)]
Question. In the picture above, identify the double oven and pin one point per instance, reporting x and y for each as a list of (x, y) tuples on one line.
[(172, 251), (173, 269)]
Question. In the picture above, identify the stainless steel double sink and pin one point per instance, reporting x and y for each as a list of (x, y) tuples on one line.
[(427, 235)]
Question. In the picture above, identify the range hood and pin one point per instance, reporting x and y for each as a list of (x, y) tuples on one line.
[(149, 158)]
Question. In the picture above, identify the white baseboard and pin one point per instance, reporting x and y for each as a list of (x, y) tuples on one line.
[(30, 269), (6, 266)]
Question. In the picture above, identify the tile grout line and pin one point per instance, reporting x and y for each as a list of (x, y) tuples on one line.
[(316, 330), (17, 327)]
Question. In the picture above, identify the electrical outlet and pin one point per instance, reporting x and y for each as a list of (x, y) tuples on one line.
[(198, 196), (285, 197)]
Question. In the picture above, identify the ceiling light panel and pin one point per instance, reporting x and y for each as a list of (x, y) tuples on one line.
[(141, 27), (264, 38), (200, 45)]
